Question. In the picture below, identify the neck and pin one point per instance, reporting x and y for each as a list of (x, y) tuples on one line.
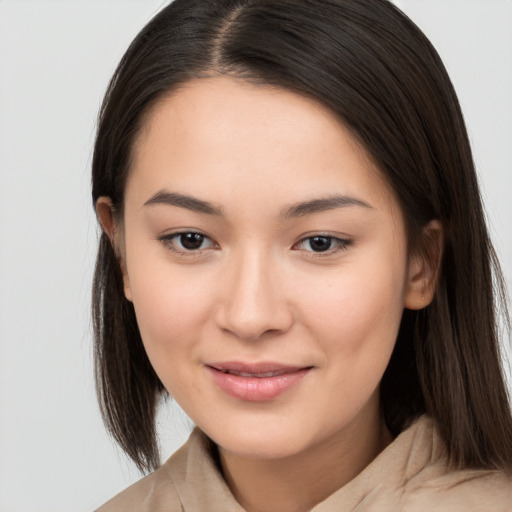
[(300, 481)]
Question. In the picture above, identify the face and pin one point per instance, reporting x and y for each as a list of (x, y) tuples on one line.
[(266, 260)]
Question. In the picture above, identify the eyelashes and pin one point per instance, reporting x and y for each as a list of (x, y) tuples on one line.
[(192, 243), (188, 243), (321, 244)]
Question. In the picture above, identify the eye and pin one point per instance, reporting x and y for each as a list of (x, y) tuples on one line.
[(187, 242), (322, 244)]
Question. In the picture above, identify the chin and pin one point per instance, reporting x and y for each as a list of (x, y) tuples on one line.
[(261, 441), (261, 448)]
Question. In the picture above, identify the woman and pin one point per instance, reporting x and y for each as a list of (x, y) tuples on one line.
[(294, 249)]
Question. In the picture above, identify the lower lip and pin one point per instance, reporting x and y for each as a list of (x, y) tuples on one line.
[(257, 389)]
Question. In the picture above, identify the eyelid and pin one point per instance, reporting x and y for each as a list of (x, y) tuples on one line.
[(341, 244), (168, 238)]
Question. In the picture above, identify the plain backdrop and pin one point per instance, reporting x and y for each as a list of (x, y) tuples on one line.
[(55, 60)]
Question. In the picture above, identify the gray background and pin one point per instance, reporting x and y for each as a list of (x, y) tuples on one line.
[(55, 60)]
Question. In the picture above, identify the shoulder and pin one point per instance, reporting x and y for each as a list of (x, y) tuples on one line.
[(413, 475), (468, 490), (188, 481), (429, 483), (158, 491), (155, 492)]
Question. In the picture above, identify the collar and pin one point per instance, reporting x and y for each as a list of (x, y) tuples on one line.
[(199, 483)]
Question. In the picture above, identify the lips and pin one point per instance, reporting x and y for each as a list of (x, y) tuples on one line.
[(255, 382), (258, 375)]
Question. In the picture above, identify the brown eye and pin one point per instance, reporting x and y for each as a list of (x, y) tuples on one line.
[(191, 241), (187, 242), (322, 244)]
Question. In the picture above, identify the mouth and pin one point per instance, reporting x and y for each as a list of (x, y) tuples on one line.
[(256, 382), (256, 375)]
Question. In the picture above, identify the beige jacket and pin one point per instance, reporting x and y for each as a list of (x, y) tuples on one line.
[(410, 475)]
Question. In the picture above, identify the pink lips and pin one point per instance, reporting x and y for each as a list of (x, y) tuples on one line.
[(255, 382)]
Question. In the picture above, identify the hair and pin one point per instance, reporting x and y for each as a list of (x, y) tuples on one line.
[(380, 75)]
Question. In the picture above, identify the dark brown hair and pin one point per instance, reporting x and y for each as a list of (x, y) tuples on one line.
[(376, 70)]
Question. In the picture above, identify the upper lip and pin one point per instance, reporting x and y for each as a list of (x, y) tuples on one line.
[(259, 368)]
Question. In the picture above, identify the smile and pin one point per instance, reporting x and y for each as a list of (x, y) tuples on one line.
[(258, 375), (256, 382)]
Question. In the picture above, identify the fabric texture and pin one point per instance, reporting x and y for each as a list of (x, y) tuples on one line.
[(410, 475)]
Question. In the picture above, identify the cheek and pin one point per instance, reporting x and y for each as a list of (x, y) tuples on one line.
[(171, 315), (171, 307), (358, 309), (355, 320)]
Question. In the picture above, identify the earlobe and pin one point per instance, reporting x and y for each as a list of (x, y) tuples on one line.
[(110, 226), (424, 267)]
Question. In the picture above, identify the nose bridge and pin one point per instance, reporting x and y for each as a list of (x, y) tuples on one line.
[(254, 300)]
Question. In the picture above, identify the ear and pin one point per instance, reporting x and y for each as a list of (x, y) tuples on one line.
[(110, 226), (424, 266)]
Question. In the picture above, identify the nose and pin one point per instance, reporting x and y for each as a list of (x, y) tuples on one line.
[(253, 304)]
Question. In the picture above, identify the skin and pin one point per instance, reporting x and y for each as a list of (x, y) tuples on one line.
[(257, 290)]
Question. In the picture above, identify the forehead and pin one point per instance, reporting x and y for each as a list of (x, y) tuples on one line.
[(223, 137)]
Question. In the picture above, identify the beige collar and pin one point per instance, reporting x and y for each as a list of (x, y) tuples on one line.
[(410, 474)]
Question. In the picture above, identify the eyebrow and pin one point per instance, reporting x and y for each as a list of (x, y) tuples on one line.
[(322, 205), (183, 201), (300, 209)]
